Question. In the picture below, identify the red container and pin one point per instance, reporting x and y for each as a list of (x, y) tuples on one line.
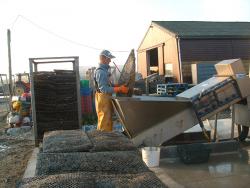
[(87, 107)]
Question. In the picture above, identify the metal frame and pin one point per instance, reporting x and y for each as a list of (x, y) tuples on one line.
[(34, 62), (212, 90)]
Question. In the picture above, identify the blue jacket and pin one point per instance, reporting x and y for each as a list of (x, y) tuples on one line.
[(102, 79)]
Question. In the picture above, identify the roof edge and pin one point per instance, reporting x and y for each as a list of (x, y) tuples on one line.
[(172, 33), (215, 37), (144, 37)]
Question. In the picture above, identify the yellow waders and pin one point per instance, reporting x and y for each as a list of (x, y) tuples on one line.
[(104, 110)]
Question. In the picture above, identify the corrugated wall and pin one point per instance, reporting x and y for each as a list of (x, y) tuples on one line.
[(214, 49), (205, 50), (241, 48)]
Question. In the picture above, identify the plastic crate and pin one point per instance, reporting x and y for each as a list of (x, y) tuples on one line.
[(84, 83), (87, 105), (171, 89), (85, 91)]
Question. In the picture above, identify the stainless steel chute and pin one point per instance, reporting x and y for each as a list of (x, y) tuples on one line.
[(153, 120)]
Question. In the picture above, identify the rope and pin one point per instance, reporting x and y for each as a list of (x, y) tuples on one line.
[(60, 36)]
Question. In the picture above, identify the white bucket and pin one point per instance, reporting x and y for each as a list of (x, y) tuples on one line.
[(151, 156)]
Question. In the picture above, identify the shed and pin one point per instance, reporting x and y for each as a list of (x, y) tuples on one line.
[(169, 48)]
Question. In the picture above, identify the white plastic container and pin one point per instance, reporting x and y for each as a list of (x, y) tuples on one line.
[(151, 156)]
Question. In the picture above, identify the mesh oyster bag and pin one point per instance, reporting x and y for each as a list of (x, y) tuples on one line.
[(93, 180), (109, 141), (63, 141), (107, 162)]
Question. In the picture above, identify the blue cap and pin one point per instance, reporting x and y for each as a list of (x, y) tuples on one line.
[(107, 54)]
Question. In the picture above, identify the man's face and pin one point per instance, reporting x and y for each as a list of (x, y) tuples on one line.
[(104, 59)]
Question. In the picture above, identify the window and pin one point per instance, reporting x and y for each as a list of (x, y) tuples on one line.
[(168, 69)]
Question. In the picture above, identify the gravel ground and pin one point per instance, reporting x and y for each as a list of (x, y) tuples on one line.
[(14, 155)]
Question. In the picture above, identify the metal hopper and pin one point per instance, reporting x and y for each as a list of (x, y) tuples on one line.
[(153, 120)]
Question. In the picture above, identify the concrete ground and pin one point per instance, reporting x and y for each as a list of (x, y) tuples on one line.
[(224, 169)]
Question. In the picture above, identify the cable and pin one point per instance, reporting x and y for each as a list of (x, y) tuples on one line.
[(13, 24), (59, 36)]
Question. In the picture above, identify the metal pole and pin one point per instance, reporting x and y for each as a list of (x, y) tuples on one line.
[(76, 69), (33, 102), (9, 57), (117, 67), (233, 122), (215, 127), (147, 86), (179, 59)]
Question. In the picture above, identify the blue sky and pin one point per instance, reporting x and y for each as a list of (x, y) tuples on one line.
[(117, 25)]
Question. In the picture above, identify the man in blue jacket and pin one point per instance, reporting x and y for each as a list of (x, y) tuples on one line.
[(104, 91)]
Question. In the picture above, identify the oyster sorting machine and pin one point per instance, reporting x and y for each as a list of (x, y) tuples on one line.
[(152, 120)]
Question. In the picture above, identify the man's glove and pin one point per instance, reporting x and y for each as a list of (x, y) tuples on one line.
[(121, 89)]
